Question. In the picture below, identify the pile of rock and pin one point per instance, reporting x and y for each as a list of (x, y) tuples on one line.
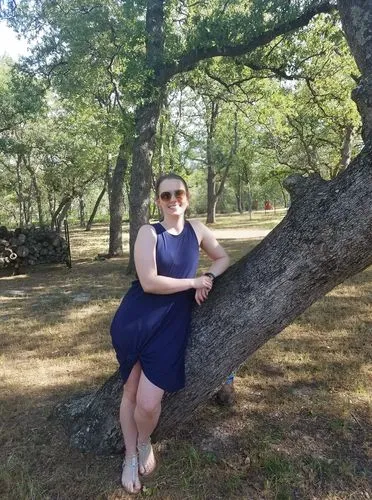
[(28, 247)]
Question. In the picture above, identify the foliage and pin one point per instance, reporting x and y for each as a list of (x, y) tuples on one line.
[(289, 96)]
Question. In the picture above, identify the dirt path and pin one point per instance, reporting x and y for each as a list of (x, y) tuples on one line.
[(240, 234)]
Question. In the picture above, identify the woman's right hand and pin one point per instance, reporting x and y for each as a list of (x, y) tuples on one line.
[(202, 282)]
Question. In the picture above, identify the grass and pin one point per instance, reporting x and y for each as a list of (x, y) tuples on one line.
[(300, 428)]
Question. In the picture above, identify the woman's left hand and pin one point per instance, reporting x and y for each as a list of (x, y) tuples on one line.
[(201, 294)]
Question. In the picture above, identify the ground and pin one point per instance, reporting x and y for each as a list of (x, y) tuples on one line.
[(300, 427)]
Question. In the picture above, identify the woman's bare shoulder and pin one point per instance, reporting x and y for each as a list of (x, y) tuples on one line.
[(147, 231), (198, 227)]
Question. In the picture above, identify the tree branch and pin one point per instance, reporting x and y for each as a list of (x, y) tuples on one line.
[(188, 61)]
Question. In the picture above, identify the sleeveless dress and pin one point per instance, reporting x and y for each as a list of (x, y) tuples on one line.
[(154, 328)]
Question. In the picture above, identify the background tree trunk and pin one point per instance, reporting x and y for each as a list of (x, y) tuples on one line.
[(147, 116), (63, 214), (211, 175), (116, 204), (95, 208), (81, 211), (31, 171), (325, 238), (56, 216), (140, 185)]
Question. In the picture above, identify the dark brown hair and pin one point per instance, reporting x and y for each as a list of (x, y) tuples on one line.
[(170, 175)]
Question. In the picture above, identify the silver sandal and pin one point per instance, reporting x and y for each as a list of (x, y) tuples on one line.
[(144, 450), (132, 464)]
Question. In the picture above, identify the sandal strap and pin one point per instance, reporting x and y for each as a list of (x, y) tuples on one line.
[(142, 447), (132, 463)]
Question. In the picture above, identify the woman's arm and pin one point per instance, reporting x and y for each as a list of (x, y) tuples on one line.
[(220, 259), (145, 261), (208, 242)]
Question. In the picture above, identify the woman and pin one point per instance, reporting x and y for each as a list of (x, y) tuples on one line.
[(150, 329)]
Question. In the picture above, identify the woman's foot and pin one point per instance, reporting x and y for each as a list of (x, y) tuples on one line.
[(146, 457), (129, 476)]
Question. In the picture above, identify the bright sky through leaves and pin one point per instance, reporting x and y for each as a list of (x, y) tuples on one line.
[(9, 43)]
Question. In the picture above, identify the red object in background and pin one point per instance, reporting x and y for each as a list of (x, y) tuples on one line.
[(268, 205)]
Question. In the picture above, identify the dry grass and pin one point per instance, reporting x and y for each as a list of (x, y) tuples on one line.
[(300, 427)]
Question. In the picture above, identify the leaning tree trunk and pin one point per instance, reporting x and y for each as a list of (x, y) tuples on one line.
[(95, 208), (55, 223), (62, 215), (325, 238), (116, 204)]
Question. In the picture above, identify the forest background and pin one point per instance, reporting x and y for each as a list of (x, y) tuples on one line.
[(235, 128)]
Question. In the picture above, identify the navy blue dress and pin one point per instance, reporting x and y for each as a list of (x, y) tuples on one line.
[(154, 328)]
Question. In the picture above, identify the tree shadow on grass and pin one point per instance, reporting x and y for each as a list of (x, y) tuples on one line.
[(299, 429)]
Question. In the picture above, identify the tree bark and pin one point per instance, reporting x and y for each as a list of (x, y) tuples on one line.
[(62, 214), (329, 226), (56, 217), (325, 238), (211, 196), (356, 17), (82, 211), (19, 191), (116, 204), (140, 184), (27, 163), (211, 173), (95, 208), (147, 116)]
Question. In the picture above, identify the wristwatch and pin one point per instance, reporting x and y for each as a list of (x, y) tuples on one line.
[(210, 275)]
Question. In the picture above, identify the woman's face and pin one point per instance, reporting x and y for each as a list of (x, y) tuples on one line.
[(173, 199)]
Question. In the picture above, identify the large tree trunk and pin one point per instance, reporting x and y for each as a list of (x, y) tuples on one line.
[(329, 226), (325, 238), (147, 116), (116, 204)]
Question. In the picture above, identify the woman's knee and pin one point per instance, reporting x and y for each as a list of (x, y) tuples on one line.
[(147, 406)]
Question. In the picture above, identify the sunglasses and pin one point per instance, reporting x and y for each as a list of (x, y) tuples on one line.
[(179, 194)]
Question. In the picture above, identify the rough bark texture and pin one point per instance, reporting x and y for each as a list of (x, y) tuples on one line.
[(116, 204), (356, 17), (325, 238), (147, 116), (146, 120)]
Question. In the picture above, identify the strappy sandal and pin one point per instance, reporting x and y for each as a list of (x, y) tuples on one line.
[(130, 467), (144, 451)]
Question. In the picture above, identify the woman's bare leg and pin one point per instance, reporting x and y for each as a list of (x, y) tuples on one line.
[(129, 478), (146, 416)]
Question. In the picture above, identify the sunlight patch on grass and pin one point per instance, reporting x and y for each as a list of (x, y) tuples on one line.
[(299, 429)]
